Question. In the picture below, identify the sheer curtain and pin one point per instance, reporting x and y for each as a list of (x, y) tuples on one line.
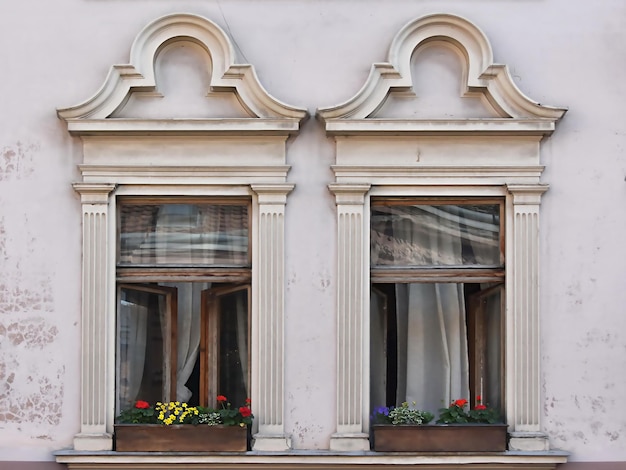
[(133, 328), (188, 334), (432, 352)]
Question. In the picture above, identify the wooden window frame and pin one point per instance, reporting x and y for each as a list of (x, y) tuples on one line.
[(229, 278), (443, 274)]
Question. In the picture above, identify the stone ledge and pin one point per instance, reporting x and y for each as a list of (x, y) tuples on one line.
[(310, 460)]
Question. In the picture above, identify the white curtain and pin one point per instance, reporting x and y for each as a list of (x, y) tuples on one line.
[(133, 326), (433, 364), (188, 333)]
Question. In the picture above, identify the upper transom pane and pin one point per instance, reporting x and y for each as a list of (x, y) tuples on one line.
[(192, 234), (427, 235)]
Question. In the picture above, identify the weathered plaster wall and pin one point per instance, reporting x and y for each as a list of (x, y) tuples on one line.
[(315, 53)]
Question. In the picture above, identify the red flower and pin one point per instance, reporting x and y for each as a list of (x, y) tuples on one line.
[(460, 403), (479, 398), (221, 398), (245, 411), (481, 407), (142, 405), (248, 401)]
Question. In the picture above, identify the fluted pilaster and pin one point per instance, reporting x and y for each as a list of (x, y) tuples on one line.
[(268, 323), (352, 331), (523, 329), (94, 353)]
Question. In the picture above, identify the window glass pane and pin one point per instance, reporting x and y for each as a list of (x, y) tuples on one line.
[(184, 234), (435, 235), (233, 346), (142, 352), (431, 344)]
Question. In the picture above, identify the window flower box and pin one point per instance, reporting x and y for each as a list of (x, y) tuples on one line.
[(440, 438), (180, 438), (405, 429), (178, 427)]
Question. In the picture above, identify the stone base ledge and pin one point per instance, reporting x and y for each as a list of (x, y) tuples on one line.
[(529, 441), (93, 442), (349, 442), (309, 459), (271, 443)]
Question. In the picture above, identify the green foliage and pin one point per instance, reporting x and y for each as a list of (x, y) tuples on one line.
[(140, 413), (175, 412), (456, 413), (405, 415)]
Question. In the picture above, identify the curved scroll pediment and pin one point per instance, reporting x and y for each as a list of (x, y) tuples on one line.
[(514, 111), (264, 113)]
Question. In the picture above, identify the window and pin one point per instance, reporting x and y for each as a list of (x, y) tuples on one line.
[(183, 286), (436, 301)]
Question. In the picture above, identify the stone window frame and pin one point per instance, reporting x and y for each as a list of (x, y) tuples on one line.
[(379, 157), (215, 157)]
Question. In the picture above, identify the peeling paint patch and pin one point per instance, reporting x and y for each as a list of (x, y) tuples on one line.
[(14, 298), (16, 161), (30, 395), (31, 334), (3, 243)]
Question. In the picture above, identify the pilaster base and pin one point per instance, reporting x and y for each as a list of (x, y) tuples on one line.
[(271, 443), (96, 441), (529, 441), (349, 442)]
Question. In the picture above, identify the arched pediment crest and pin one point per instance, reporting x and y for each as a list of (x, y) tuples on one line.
[(516, 111), (267, 113)]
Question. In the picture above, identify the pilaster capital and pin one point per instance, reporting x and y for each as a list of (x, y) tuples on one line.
[(527, 194), (94, 193), (349, 194), (272, 193)]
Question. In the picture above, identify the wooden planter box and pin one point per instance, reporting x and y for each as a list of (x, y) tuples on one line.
[(180, 438), (440, 438)]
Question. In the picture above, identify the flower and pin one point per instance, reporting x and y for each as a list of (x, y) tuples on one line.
[(402, 414), (176, 412), (456, 413)]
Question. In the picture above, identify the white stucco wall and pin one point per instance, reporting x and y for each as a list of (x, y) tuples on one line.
[(315, 53)]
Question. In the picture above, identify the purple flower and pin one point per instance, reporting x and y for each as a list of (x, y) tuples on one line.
[(382, 410)]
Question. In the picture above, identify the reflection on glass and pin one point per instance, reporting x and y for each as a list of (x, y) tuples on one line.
[(184, 234), (141, 348), (435, 235)]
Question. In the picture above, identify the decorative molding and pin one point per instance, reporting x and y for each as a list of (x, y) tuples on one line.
[(268, 324), (519, 114), (313, 459), (267, 113), (429, 175), (93, 397), (352, 335), (524, 335)]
